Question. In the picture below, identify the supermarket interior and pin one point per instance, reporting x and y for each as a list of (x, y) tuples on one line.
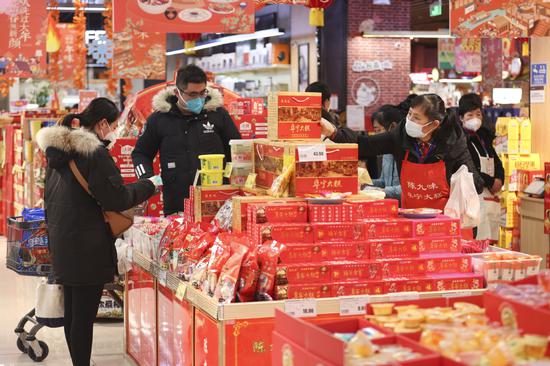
[(274, 182)]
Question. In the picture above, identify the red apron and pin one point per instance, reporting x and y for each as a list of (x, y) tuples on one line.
[(424, 185)]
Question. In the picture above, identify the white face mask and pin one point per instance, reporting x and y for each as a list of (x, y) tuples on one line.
[(111, 137), (414, 129), (472, 124)]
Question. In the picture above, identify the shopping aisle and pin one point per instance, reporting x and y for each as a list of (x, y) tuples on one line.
[(17, 297)]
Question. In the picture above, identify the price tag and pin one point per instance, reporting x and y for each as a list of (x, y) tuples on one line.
[(306, 308), (228, 170), (130, 254), (405, 296), (353, 305), (457, 294), (250, 181), (180, 291), (162, 277), (312, 153)]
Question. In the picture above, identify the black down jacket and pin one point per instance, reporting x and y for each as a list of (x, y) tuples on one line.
[(181, 139), (82, 248)]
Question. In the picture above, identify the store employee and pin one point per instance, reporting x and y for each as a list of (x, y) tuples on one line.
[(428, 149), (480, 143)]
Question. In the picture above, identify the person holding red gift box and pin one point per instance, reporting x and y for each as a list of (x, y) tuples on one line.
[(428, 148)]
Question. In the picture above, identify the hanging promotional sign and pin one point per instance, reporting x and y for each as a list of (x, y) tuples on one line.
[(85, 97), (23, 25), (138, 54), (67, 55), (184, 16), (446, 53), (468, 55)]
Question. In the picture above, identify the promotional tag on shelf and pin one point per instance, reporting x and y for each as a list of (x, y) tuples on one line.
[(312, 153), (353, 305), (457, 294), (405, 296), (250, 181), (306, 308), (228, 170), (162, 277), (130, 254), (180, 291)]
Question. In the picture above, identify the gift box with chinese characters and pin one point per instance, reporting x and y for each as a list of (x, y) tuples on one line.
[(294, 116), (452, 282), (394, 248), (369, 209), (448, 264), (388, 228), (208, 200), (303, 291), (333, 168), (437, 227), (276, 212), (320, 252), (251, 125), (283, 233), (443, 244)]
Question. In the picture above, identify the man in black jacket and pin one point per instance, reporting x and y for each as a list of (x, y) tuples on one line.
[(189, 120)]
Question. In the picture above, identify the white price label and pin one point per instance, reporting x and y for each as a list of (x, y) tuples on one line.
[(306, 308), (312, 153), (405, 296), (457, 294), (353, 305), (130, 254), (162, 277), (180, 291)]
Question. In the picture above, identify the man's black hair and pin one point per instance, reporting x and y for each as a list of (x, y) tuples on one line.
[(319, 87), (190, 74), (469, 103)]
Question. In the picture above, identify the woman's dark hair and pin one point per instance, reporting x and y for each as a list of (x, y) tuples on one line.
[(319, 87), (469, 103), (433, 106), (386, 115), (405, 105), (98, 109)]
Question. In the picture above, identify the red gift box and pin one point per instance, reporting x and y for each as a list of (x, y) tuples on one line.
[(421, 284), (453, 263), (386, 208), (387, 229), (303, 291), (457, 282), (294, 115), (356, 271), (302, 273), (268, 162), (526, 177), (439, 226), (283, 233), (332, 213), (434, 245), (303, 253), (251, 126), (277, 212), (389, 248), (208, 200), (338, 232), (392, 268), (347, 251), (357, 288)]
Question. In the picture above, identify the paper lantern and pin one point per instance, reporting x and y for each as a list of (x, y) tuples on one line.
[(189, 41), (317, 12)]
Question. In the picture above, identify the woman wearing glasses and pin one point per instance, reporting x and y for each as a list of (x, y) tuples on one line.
[(189, 120)]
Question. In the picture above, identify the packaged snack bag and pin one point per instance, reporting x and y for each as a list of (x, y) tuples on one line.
[(268, 256), (250, 271), (198, 277), (220, 253), (227, 284)]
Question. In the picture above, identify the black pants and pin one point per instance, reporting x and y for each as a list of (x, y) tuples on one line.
[(81, 304)]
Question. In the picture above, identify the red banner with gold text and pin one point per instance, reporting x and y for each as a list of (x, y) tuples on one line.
[(23, 26), (67, 55), (184, 16)]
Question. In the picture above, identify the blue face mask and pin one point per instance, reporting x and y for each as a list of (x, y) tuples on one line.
[(195, 105)]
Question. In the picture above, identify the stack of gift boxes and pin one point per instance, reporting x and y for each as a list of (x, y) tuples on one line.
[(521, 167), (250, 117)]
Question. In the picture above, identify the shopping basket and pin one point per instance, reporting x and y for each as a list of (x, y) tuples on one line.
[(27, 247), (28, 254)]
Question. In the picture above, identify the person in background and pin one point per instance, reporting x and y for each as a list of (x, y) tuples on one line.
[(81, 245), (384, 120), (428, 148), (488, 164), (189, 120)]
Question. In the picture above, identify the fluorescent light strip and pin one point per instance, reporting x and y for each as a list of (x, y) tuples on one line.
[(72, 8), (459, 81), (274, 32), (407, 34)]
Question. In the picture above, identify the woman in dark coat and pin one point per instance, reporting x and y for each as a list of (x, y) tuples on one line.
[(81, 245)]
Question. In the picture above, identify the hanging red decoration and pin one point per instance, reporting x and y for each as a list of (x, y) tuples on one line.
[(108, 26), (317, 12), (79, 20), (5, 84), (190, 41), (127, 88), (53, 58)]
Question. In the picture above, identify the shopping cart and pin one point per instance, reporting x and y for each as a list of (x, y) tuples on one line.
[(28, 254)]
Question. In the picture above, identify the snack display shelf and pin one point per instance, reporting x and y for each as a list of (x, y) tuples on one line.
[(266, 309)]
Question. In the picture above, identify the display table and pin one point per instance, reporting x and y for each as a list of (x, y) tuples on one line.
[(170, 323), (533, 239)]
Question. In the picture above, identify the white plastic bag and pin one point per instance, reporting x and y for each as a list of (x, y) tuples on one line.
[(122, 251), (489, 224), (50, 306), (463, 202)]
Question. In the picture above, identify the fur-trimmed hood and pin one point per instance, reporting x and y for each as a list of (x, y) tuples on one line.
[(165, 100)]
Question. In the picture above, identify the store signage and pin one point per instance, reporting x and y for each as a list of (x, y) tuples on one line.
[(436, 8), (185, 16), (375, 65), (67, 53), (507, 95), (22, 46), (538, 74), (85, 97)]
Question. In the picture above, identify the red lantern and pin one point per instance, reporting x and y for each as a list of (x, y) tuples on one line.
[(317, 12), (189, 41)]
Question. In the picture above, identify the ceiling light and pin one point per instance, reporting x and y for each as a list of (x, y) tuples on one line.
[(274, 32), (407, 34)]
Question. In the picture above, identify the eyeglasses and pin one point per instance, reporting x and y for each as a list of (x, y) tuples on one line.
[(203, 93)]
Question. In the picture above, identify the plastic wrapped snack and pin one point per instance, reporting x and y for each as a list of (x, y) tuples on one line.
[(227, 284), (250, 271), (224, 217), (281, 183), (220, 253), (268, 256)]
